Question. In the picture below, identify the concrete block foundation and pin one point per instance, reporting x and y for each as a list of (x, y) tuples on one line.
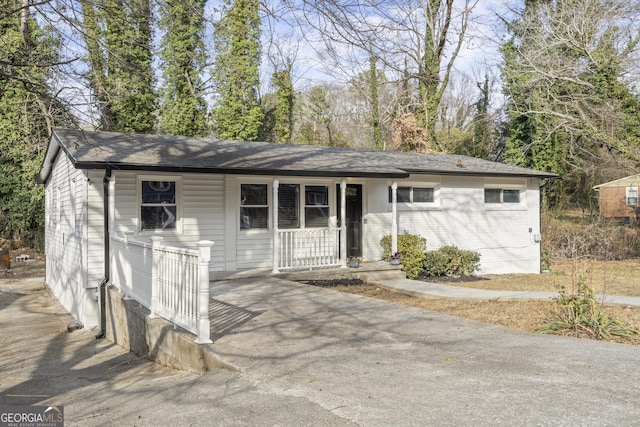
[(130, 326)]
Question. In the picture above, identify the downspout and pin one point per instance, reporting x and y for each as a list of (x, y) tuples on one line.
[(106, 244)]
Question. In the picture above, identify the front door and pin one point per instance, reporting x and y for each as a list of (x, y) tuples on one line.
[(353, 216)]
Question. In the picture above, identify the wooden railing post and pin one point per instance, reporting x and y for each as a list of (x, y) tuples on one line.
[(394, 217), (155, 282), (204, 333), (343, 222), (276, 231)]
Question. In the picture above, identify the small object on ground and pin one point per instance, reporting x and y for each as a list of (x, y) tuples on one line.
[(5, 259), (74, 326), (23, 257)]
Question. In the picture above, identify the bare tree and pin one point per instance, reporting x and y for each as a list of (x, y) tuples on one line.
[(414, 40)]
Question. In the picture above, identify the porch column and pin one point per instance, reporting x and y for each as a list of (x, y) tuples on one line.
[(203, 323), (276, 234), (343, 222), (394, 216)]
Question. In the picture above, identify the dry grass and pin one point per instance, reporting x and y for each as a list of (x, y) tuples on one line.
[(35, 267), (523, 315), (609, 277)]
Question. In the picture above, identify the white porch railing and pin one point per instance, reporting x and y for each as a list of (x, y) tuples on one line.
[(308, 248), (172, 282)]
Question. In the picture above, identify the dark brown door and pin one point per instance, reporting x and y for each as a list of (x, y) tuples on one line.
[(353, 216)]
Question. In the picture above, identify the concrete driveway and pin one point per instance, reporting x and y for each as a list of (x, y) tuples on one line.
[(315, 357), (377, 363)]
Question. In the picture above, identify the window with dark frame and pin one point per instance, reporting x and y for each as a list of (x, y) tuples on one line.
[(289, 206), (501, 195), (316, 207), (413, 195), (254, 206), (158, 210)]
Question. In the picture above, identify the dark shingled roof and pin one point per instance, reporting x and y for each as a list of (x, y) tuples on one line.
[(103, 150)]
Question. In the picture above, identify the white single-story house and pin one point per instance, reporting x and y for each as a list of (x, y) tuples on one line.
[(270, 206)]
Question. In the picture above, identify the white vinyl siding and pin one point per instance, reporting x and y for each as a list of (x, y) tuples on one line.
[(254, 246), (93, 228), (65, 245), (461, 217), (201, 211)]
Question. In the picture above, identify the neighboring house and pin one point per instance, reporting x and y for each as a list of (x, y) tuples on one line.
[(270, 206), (619, 199)]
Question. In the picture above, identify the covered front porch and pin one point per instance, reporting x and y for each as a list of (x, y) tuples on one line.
[(298, 248)]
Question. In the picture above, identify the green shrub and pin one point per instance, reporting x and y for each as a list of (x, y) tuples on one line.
[(451, 261), (578, 314), (411, 248)]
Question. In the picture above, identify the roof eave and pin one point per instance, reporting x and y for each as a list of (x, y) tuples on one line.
[(237, 171), (463, 173), (53, 148)]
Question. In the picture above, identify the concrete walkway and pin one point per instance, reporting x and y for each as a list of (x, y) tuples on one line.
[(427, 289)]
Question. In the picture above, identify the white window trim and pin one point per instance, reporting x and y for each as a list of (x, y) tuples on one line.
[(631, 193), (417, 206), (261, 181), (179, 203), (520, 206), (303, 203)]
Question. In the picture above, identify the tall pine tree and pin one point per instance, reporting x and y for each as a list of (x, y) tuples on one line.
[(27, 112), (237, 114), (118, 36), (183, 110)]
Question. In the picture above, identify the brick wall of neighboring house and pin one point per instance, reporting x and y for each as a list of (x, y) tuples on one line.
[(612, 202)]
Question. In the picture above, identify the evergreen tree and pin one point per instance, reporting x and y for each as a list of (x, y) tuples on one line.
[(118, 36), (29, 53), (283, 111), (237, 114), (183, 110), (569, 107), (375, 104)]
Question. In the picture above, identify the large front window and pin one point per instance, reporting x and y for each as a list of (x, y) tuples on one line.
[(288, 206), (158, 210), (254, 206), (299, 206), (316, 206)]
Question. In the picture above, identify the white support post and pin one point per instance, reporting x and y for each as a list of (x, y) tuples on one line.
[(343, 222), (204, 332), (394, 217), (155, 283), (276, 234)]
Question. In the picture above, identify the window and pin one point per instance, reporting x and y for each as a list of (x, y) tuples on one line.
[(316, 206), (158, 210), (632, 196), (499, 195), (413, 195), (254, 206), (288, 206)]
